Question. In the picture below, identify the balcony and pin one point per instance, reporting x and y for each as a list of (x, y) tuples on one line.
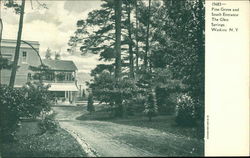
[(53, 77)]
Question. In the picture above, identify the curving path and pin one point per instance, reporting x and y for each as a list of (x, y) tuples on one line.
[(108, 139)]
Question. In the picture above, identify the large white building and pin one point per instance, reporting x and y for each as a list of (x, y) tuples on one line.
[(62, 76)]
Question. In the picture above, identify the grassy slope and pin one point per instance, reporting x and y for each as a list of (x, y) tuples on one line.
[(30, 144)]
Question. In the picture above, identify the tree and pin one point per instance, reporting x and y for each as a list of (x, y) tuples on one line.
[(182, 48), (1, 65), (151, 108), (136, 36), (90, 106), (83, 94), (147, 38), (102, 40), (130, 41), (106, 88), (48, 54), (19, 9), (101, 67), (168, 37), (19, 36), (42, 72), (118, 12), (57, 56), (4, 64)]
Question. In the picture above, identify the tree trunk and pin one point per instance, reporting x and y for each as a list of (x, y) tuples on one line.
[(131, 58), (19, 36), (136, 34), (118, 13), (150, 118), (147, 38), (201, 49), (118, 9), (201, 65), (1, 31)]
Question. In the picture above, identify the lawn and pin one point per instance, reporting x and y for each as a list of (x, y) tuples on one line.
[(185, 141), (30, 143), (165, 123)]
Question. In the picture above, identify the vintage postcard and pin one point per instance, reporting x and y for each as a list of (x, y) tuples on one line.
[(124, 78)]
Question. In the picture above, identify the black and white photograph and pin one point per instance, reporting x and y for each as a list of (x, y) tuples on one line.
[(102, 78)]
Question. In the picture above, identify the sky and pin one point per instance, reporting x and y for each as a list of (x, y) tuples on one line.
[(52, 27)]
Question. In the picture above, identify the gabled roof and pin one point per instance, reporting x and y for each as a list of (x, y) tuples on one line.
[(66, 65)]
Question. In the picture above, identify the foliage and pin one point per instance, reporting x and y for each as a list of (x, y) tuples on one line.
[(161, 80), (136, 104), (12, 102), (165, 105), (57, 56), (37, 99), (26, 102), (61, 76), (48, 124), (48, 54), (16, 6), (90, 106), (83, 94), (185, 111), (110, 90), (166, 35), (5, 63), (30, 144), (42, 72), (185, 29), (151, 108), (13, 4), (101, 67)]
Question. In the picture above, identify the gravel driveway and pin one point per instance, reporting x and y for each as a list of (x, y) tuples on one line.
[(109, 139)]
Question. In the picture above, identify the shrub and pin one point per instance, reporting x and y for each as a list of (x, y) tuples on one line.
[(11, 105), (164, 101), (185, 111), (151, 108), (48, 124), (116, 93), (90, 106), (136, 104), (83, 94), (63, 99), (37, 99), (27, 102)]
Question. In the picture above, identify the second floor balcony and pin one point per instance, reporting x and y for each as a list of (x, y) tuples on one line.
[(53, 77)]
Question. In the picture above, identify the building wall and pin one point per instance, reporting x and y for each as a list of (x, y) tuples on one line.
[(22, 72)]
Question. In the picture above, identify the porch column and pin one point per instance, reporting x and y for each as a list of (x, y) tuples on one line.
[(65, 96), (70, 96)]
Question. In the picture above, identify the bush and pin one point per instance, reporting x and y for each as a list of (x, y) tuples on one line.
[(11, 106), (151, 108), (48, 124), (185, 111), (26, 102), (116, 93), (90, 106), (37, 99), (164, 101)]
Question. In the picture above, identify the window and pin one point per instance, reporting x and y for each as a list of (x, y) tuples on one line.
[(29, 76), (69, 76), (24, 57)]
